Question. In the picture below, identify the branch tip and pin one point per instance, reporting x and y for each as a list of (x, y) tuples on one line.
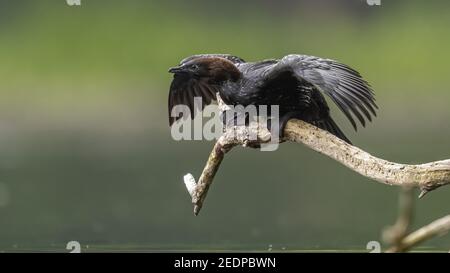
[(423, 193), (196, 210)]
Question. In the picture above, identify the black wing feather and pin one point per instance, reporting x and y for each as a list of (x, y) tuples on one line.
[(344, 85)]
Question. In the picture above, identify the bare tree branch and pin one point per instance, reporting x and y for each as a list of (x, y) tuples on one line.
[(212, 165), (438, 227), (427, 177), (233, 136), (393, 235), (398, 235)]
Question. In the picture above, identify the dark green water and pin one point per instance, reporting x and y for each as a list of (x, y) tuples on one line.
[(125, 192)]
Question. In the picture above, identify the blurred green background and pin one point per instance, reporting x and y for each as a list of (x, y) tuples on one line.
[(86, 152)]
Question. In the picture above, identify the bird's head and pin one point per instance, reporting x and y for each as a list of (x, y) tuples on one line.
[(215, 70)]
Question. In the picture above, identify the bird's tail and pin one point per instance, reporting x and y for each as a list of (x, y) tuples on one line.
[(331, 126)]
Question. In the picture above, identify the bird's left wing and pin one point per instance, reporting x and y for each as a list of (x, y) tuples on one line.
[(184, 89), (342, 84)]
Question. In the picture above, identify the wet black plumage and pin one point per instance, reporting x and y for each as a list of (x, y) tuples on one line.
[(296, 83)]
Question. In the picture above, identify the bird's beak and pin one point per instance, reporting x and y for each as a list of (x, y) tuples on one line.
[(177, 69)]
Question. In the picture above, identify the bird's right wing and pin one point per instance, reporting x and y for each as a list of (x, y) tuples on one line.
[(183, 91), (342, 84)]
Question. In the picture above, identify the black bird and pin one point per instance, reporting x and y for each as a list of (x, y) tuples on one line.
[(296, 83)]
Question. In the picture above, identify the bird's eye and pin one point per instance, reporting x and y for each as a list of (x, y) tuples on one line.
[(194, 66)]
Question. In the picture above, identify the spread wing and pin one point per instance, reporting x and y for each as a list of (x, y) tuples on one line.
[(184, 89), (345, 86)]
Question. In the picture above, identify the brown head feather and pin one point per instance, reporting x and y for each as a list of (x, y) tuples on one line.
[(216, 69)]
